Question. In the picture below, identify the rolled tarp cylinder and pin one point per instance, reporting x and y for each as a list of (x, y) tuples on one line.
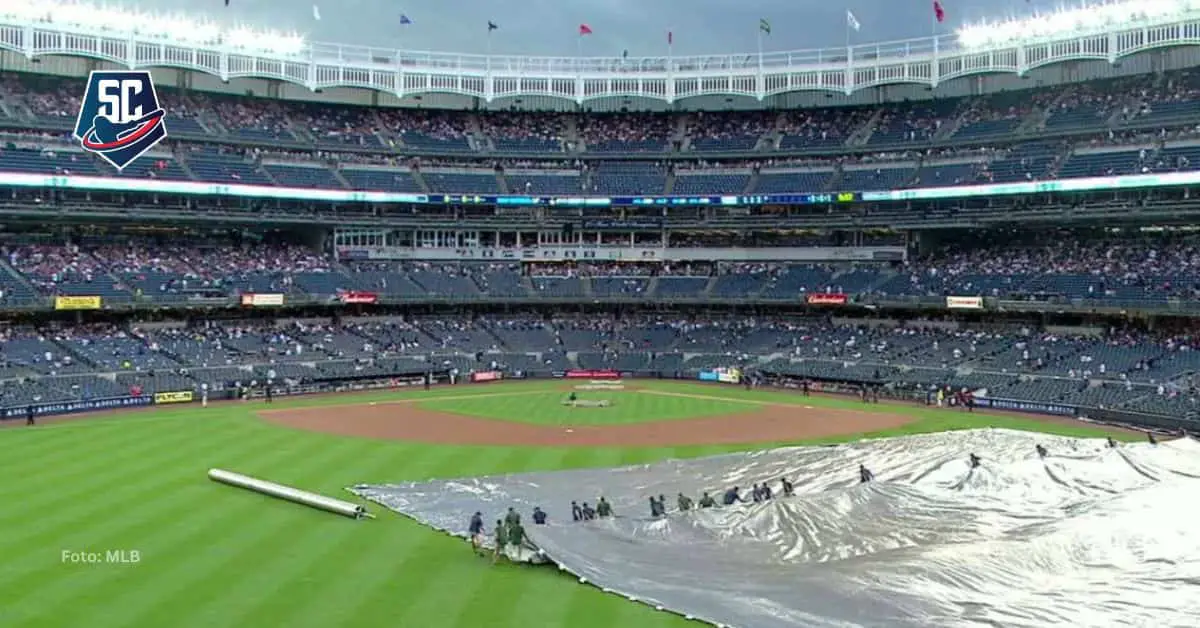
[(295, 495)]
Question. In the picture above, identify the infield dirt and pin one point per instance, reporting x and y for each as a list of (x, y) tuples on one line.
[(406, 420)]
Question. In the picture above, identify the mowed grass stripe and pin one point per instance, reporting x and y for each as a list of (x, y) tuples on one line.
[(68, 511), (426, 583), (365, 557), (194, 560), (283, 561), (71, 472), (496, 598), (303, 610), (189, 536)]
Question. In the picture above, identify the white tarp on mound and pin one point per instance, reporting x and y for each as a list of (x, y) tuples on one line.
[(1087, 537)]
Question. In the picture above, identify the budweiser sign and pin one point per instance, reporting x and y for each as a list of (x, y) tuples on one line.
[(827, 299), (358, 297)]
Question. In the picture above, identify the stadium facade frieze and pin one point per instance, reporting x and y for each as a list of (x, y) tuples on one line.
[(928, 61)]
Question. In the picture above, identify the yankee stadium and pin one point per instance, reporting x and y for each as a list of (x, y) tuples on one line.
[(899, 331)]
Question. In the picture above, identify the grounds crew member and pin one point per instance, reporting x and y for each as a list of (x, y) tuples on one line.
[(974, 461), (539, 516), (516, 535), (864, 474), (576, 512), (603, 508), (732, 496), (475, 528), (501, 537), (511, 518), (1041, 451), (30, 417), (788, 488), (706, 501), (685, 503)]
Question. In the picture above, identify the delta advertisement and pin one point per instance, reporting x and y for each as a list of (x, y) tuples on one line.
[(73, 407), (487, 376), (354, 296), (261, 300), (828, 299), (723, 375), (592, 375)]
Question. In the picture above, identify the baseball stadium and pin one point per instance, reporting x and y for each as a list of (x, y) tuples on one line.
[(898, 334)]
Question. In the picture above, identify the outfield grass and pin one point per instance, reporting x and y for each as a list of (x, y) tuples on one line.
[(545, 408), (211, 555)]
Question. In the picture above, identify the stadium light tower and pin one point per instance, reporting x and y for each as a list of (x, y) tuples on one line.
[(1085, 20), (92, 19)]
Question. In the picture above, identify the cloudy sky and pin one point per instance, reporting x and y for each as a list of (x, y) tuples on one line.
[(549, 27)]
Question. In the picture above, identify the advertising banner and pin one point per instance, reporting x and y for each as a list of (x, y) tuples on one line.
[(76, 303), (73, 407), (964, 303), (260, 300), (486, 376), (723, 375), (1035, 407), (355, 296), (183, 396), (729, 376), (828, 299), (593, 375)]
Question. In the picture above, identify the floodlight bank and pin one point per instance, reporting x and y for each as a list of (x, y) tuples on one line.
[(295, 495)]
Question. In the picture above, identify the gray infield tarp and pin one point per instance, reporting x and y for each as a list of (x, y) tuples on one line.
[(1089, 536)]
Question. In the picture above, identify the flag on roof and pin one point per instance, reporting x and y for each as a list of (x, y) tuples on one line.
[(316, 13), (852, 21), (584, 29), (670, 38), (404, 19), (764, 25), (492, 26), (938, 11)]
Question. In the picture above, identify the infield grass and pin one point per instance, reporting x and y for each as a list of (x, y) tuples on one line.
[(211, 555), (628, 406)]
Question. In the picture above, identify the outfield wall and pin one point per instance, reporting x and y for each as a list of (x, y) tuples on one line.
[(836, 387)]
